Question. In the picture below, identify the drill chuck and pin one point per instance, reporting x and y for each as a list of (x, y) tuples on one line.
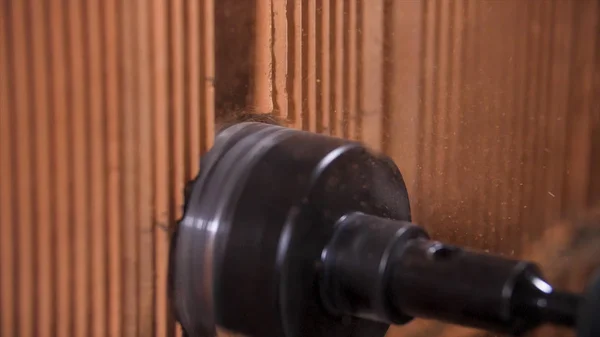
[(391, 271), (289, 233)]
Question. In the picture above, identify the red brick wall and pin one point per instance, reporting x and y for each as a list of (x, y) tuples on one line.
[(490, 108)]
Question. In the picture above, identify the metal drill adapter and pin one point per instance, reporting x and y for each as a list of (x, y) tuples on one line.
[(292, 234)]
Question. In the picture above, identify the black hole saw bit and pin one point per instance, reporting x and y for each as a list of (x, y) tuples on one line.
[(288, 233)]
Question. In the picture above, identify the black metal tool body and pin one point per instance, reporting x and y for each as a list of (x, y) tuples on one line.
[(290, 233)]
